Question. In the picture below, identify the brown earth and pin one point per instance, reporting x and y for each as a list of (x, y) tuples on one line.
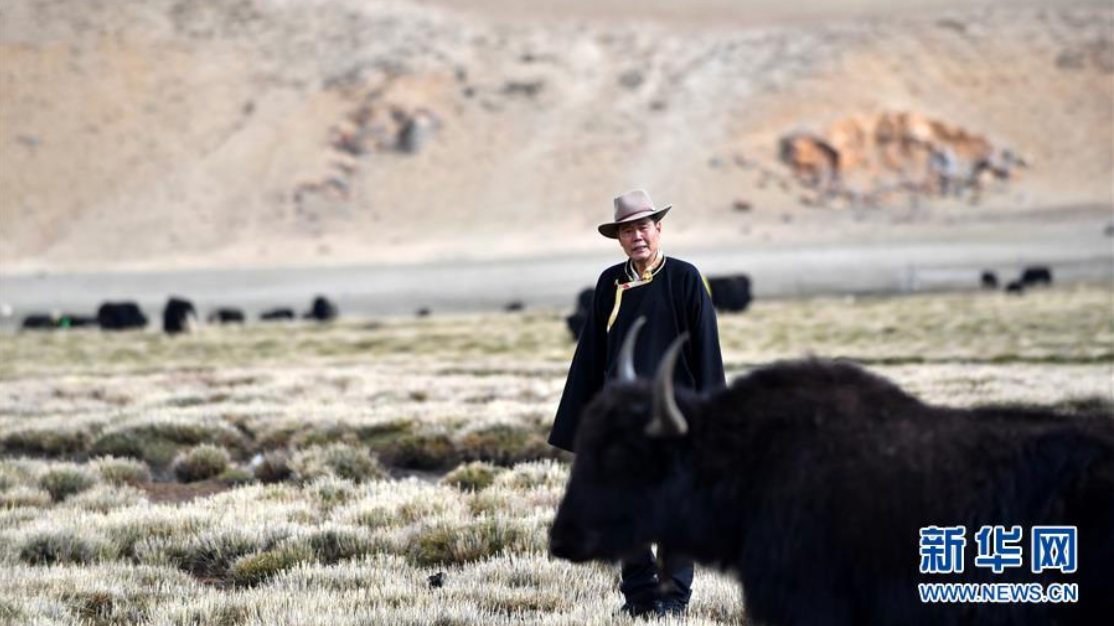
[(174, 134), (182, 492)]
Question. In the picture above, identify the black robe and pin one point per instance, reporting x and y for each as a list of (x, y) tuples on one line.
[(675, 301)]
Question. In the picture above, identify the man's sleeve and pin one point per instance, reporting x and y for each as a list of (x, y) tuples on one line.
[(707, 361), (586, 374)]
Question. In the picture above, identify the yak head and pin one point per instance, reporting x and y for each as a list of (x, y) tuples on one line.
[(631, 452)]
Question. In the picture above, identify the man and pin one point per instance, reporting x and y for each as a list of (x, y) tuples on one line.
[(673, 297)]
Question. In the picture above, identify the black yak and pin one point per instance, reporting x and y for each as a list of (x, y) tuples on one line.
[(580, 315), (989, 280), (179, 316), (730, 293), (40, 321), (277, 315), (53, 321), (1036, 275), (323, 310), (226, 315), (811, 480), (73, 320), (121, 316)]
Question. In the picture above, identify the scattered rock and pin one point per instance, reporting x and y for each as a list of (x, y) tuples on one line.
[(631, 79), (416, 129), (525, 88)]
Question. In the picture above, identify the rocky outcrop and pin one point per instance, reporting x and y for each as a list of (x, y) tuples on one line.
[(873, 158)]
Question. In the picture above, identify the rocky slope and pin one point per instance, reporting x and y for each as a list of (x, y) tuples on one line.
[(302, 132)]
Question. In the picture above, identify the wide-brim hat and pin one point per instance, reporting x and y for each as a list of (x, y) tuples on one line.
[(632, 205)]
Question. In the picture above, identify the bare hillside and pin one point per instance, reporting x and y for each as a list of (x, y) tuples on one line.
[(172, 134)]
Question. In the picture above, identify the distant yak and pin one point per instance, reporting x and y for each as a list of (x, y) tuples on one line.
[(226, 315), (580, 315), (277, 315), (53, 321), (1036, 275), (39, 321), (730, 293), (179, 316), (70, 320), (811, 481), (121, 316), (323, 310)]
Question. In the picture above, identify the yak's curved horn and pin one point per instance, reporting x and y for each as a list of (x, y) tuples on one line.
[(667, 420), (626, 352)]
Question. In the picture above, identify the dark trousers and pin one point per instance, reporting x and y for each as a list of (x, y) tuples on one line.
[(642, 574)]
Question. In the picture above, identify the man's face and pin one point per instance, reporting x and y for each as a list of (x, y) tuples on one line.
[(639, 239)]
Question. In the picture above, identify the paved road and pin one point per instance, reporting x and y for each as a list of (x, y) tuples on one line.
[(1078, 250)]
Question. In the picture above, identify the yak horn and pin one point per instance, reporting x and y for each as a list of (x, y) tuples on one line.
[(626, 352), (667, 420)]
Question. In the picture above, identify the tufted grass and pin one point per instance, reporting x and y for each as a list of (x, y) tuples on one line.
[(359, 458)]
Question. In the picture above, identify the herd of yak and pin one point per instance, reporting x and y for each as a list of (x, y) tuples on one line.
[(730, 293), (178, 316)]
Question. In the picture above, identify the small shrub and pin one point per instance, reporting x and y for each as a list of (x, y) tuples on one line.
[(422, 451), (214, 614), (137, 445), (504, 444), (63, 482), (9, 612), (200, 463), (50, 442), (236, 476), (252, 569), (382, 436), (24, 496), (158, 443), (534, 474), (443, 543), (51, 548), (329, 492), (376, 517), (99, 607), (273, 467), (332, 545), (104, 498), (209, 555), (339, 459), (122, 471), (474, 476)]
